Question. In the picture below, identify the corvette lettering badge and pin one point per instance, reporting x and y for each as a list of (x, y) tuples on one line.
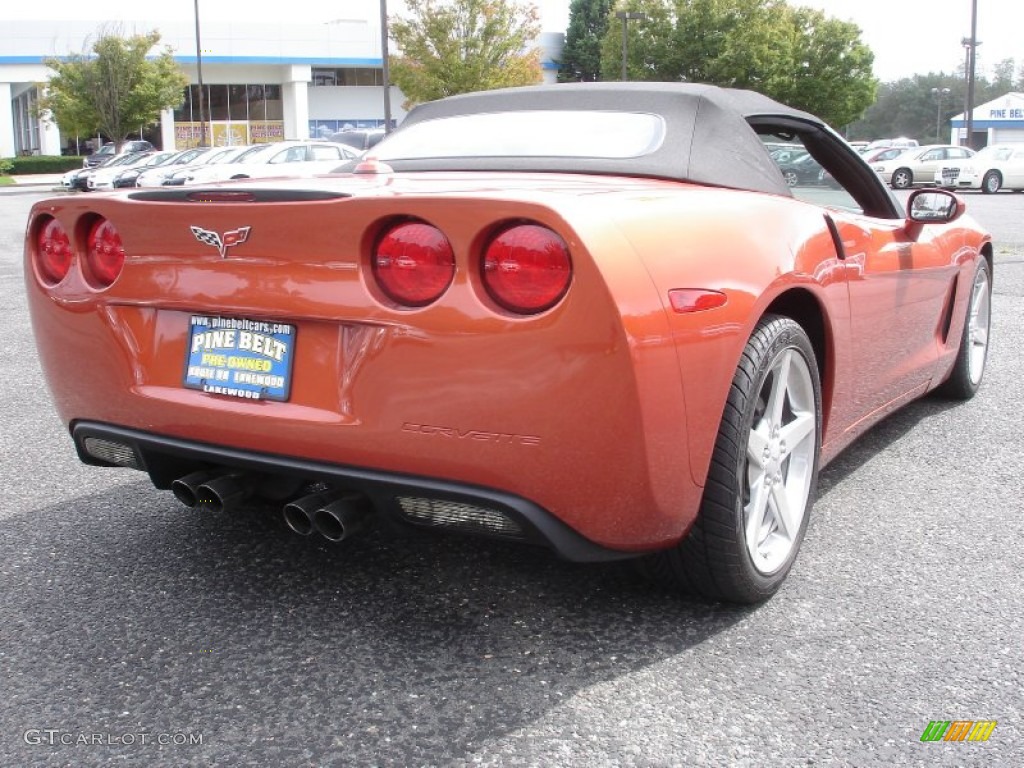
[(221, 242)]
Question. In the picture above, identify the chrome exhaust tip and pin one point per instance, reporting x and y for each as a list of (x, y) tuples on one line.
[(343, 517), (298, 519), (186, 489), (222, 492), (298, 514)]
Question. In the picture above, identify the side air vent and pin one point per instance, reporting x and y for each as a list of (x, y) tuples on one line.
[(456, 516), (119, 454)]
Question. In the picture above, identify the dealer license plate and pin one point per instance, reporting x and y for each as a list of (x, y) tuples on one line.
[(250, 359)]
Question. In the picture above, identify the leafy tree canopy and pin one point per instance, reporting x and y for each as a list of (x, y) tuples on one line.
[(920, 106), (795, 55), (115, 89), (581, 54), (458, 46)]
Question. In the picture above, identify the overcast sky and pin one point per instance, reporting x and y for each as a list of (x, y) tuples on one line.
[(907, 36)]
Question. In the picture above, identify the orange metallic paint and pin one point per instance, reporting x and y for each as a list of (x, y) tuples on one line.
[(603, 410)]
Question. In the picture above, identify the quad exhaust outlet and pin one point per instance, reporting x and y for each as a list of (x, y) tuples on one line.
[(212, 490), (335, 517)]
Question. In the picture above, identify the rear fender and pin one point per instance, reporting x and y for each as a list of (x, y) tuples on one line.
[(790, 248)]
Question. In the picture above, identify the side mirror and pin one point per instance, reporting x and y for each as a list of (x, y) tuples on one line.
[(934, 206)]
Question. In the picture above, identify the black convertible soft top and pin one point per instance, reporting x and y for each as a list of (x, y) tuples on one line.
[(708, 140)]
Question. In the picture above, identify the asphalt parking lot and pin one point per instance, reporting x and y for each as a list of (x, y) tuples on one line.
[(135, 632)]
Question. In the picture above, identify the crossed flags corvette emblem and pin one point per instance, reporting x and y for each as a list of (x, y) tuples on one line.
[(221, 242)]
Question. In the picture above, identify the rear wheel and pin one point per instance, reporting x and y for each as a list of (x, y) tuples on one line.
[(791, 178), (763, 474), (969, 368), (992, 182), (902, 178)]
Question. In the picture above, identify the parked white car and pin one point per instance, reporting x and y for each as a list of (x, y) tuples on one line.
[(900, 142), (993, 168), (79, 179), (176, 160), (881, 154), (282, 158), (918, 165), (176, 177), (102, 178), (194, 156)]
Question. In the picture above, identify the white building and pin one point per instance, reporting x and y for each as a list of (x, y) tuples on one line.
[(1000, 121), (262, 82)]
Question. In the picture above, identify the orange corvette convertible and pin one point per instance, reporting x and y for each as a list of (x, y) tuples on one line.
[(592, 317)]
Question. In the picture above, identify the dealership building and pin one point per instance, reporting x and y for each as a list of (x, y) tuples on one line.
[(1000, 121), (261, 82)]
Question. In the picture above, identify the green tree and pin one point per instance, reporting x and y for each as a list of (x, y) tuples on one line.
[(831, 72), (1002, 76), (115, 89), (581, 54), (911, 106), (901, 109), (458, 46), (795, 55), (650, 46)]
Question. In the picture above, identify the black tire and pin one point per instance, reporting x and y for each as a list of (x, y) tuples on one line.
[(992, 182), (902, 178), (791, 178), (969, 369), (715, 559)]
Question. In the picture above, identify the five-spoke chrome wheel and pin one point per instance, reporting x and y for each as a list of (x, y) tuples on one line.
[(978, 321), (763, 473), (972, 356), (780, 461)]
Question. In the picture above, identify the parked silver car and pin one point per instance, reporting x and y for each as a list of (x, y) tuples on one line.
[(918, 165)]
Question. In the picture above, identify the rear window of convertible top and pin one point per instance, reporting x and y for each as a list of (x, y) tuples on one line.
[(528, 133)]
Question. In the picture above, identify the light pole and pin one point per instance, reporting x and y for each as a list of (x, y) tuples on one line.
[(199, 69), (626, 16), (385, 71), (972, 56), (939, 94)]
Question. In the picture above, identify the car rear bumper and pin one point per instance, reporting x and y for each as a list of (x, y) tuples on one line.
[(407, 501)]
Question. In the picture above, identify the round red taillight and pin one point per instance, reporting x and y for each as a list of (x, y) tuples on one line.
[(53, 252), (527, 269), (104, 254), (413, 263)]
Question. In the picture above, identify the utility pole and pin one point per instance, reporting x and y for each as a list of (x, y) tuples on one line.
[(939, 94), (972, 62), (626, 16), (385, 69), (199, 69)]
